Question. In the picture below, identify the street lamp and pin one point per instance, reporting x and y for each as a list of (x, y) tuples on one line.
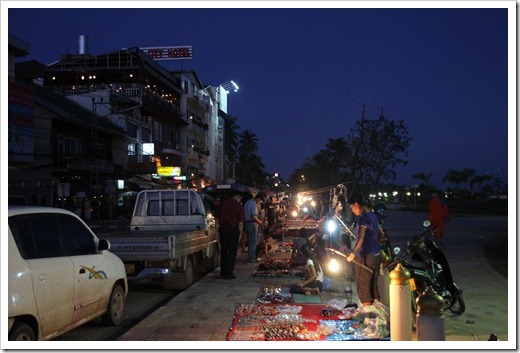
[(230, 85)]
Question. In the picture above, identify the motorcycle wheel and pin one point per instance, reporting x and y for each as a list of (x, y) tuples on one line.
[(458, 306)]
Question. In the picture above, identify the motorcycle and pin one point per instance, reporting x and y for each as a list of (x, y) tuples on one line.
[(428, 266)]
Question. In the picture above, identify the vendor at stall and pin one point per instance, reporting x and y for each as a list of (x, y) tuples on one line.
[(297, 257), (313, 282)]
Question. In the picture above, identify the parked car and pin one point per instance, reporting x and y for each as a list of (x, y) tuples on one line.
[(17, 200), (60, 274)]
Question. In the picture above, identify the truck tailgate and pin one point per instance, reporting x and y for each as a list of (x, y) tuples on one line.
[(158, 246)]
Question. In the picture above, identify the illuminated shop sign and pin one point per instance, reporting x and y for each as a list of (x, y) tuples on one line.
[(168, 171)]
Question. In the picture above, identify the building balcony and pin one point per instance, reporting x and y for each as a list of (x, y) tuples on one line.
[(74, 163), (171, 147)]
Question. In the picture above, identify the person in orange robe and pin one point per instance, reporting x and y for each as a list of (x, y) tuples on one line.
[(439, 213)]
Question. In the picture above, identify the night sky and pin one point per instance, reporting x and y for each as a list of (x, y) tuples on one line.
[(304, 73)]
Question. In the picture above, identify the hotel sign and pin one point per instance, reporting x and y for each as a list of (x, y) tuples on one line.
[(169, 53)]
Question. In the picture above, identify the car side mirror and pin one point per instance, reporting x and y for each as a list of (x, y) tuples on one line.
[(103, 245)]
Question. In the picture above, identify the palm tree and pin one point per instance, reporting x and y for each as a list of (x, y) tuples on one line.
[(454, 177), (231, 136), (248, 147), (423, 176), (479, 179)]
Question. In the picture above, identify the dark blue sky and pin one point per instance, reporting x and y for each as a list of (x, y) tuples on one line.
[(301, 72)]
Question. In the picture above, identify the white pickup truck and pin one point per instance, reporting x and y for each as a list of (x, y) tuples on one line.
[(171, 232)]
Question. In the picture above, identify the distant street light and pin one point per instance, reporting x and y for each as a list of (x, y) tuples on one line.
[(415, 196)]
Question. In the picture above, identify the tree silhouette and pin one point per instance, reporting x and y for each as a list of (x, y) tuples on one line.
[(368, 156), (377, 146), (250, 168), (231, 136)]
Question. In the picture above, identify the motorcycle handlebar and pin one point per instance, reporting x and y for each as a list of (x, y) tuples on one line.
[(412, 244)]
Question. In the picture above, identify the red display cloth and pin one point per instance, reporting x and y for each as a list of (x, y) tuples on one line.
[(311, 313)]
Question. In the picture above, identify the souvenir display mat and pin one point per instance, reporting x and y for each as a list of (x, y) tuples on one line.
[(292, 322), (280, 295), (277, 268)]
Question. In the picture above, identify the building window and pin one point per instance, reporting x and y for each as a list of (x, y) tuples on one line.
[(157, 132), (174, 137), (132, 156), (146, 135), (131, 129)]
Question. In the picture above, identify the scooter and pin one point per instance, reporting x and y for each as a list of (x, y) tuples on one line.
[(428, 266)]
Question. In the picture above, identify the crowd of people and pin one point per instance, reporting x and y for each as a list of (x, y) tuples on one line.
[(250, 221), (253, 222)]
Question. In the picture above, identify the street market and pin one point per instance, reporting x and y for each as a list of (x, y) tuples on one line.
[(279, 315)]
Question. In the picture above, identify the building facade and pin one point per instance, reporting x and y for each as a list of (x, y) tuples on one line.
[(116, 123)]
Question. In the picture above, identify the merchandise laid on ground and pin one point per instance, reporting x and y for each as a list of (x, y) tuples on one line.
[(299, 320), (276, 314), (277, 268)]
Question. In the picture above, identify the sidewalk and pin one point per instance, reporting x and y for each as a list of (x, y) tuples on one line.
[(204, 311)]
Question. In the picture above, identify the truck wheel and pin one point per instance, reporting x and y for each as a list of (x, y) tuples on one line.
[(180, 280), (116, 307), (215, 260), (188, 274), (21, 332)]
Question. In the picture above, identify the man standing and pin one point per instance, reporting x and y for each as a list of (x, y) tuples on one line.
[(251, 213), (230, 217), (366, 250)]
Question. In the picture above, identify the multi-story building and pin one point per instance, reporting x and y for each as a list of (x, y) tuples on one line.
[(120, 122), (59, 153)]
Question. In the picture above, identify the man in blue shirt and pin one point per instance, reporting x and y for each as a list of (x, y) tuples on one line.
[(366, 250), (252, 209)]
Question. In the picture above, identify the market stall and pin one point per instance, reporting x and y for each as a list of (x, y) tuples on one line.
[(307, 322), (291, 226), (280, 267)]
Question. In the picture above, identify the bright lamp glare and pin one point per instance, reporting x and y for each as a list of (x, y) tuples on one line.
[(295, 213), (334, 265), (331, 226)]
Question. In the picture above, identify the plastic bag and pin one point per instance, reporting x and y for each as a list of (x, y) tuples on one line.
[(327, 283), (376, 320), (337, 304)]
